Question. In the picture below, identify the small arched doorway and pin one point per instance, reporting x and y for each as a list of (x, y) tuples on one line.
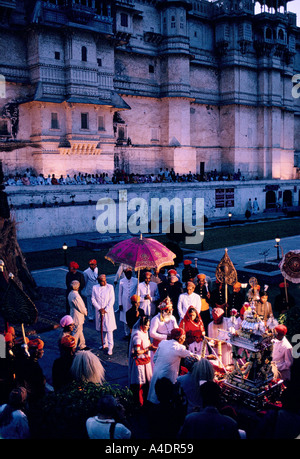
[(270, 199)]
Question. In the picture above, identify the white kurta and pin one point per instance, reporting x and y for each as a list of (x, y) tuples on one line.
[(90, 278), (185, 301), (166, 364), (149, 306), (127, 288), (283, 357), (159, 330), (78, 310), (104, 298)]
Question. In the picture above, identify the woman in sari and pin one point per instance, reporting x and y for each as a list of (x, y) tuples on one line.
[(192, 324), (139, 363)]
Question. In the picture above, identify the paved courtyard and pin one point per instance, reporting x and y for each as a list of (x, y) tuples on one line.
[(116, 365)]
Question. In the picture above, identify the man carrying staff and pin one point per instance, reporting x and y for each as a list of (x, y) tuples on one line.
[(103, 300), (78, 312)]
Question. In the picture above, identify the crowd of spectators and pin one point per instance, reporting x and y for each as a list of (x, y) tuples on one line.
[(29, 178)]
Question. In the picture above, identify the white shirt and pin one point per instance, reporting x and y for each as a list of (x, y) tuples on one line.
[(18, 427), (99, 429), (185, 301), (151, 289), (159, 330), (166, 364), (282, 356)]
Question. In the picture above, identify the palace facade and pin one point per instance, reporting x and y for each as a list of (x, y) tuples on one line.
[(94, 86)]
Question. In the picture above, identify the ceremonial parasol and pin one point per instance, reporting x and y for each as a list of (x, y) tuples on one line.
[(226, 273), (290, 268), (141, 253)]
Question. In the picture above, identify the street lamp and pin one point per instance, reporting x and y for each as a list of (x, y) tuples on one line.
[(229, 218), (202, 241), (65, 248), (277, 240)]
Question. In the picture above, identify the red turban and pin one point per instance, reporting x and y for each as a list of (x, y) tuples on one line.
[(92, 262), (281, 330), (74, 265), (177, 333), (187, 262)]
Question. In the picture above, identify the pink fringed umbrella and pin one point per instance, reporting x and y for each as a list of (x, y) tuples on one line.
[(140, 253)]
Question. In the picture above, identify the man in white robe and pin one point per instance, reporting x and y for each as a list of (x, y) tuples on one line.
[(103, 300), (148, 292), (187, 299), (90, 277), (127, 288), (282, 354), (78, 312)]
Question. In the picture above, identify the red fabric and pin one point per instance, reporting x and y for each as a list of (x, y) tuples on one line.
[(191, 327)]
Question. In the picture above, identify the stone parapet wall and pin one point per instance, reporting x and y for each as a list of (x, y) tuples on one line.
[(44, 211)]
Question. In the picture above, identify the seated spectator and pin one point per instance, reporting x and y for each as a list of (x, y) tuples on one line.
[(25, 180), (40, 179), (54, 180)]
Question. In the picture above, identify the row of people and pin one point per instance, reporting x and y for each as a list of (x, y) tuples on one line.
[(30, 178)]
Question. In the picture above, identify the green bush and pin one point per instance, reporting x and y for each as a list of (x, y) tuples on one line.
[(291, 319), (63, 414)]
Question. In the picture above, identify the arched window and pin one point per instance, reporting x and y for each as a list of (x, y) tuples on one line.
[(281, 35), (269, 34), (84, 54)]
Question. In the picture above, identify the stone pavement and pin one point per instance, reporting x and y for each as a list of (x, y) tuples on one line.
[(116, 365)]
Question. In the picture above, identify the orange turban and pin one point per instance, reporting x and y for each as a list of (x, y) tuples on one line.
[(68, 341), (38, 343)]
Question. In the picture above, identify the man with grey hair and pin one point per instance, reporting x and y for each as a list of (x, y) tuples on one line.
[(78, 312)]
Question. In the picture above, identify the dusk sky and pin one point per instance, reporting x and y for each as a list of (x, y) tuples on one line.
[(294, 7)]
